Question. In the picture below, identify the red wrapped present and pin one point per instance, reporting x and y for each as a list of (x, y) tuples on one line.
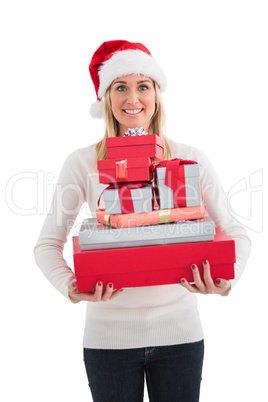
[(178, 183), (149, 145), (124, 170), (150, 218), (152, 265)]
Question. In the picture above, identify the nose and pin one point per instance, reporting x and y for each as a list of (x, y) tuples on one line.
[(132, 96)]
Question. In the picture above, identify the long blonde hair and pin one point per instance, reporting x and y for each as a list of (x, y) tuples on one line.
[(157, 126)]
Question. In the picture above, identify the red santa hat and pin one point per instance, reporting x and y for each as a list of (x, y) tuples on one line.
[(117, 58)]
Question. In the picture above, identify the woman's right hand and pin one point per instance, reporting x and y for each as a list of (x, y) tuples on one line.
[(99, 295)]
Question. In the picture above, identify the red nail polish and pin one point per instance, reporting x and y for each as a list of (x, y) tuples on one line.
[(182, 280), (218, 281), (193, 266), (110, 285), (99, 283)]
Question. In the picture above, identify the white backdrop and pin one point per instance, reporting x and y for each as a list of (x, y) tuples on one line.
[(215, 57)]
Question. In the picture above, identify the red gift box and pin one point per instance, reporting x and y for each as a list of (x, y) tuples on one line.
[(152, 265), (124, 170), (149, 145)]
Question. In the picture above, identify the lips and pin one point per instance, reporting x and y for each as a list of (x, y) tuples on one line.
[(133, 111)]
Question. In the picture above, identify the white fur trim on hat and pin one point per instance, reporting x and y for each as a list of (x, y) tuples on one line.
[(128, 62), (96, 109)]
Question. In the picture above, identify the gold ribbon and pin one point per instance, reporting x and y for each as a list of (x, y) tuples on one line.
[(107, 219), (164, 215)]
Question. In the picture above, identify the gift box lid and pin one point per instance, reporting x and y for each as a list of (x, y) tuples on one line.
[(148, 258), (149, 139), (183, 171), (132, 163), (94, 235)]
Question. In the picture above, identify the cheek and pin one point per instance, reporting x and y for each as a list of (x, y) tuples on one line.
[(151, 100)]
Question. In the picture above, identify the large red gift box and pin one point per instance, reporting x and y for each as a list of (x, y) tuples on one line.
[(124, 170), (152, 265), (149, 145)]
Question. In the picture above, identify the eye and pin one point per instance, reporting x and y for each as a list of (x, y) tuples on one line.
[(121, 88), (143, 87)]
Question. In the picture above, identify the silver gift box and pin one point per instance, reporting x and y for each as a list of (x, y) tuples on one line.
[(192, 187), (94, 235), (141, 198)]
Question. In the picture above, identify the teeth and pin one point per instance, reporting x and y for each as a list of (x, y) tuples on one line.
[(133, 111)]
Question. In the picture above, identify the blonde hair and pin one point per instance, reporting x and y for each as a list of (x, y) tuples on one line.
[(157, 126)]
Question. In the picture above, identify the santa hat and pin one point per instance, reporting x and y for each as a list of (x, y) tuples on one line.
[(116, 59)]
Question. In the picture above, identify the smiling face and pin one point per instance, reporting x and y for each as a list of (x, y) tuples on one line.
[(133, 100)]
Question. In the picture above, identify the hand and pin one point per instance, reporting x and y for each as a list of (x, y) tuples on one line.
[(208, 286), (99, 295)]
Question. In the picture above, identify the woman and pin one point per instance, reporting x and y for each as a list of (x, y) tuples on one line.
[(152, 331)]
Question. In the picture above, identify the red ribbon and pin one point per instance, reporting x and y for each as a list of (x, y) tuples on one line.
[(121, 170), (175, 179)]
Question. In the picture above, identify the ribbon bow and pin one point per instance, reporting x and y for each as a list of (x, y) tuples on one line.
[(135, 131)]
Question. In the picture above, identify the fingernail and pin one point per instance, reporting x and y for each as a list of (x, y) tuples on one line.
[(121, 290), (110, 285), (218, 281), (99, 283), (193, 266), (205, 261), (182, 280)]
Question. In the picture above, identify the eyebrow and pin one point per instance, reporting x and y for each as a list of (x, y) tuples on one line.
[(119, 82), (124, 82), (140, 82)]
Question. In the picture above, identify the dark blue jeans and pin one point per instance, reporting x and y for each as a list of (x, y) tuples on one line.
[(173, 373)]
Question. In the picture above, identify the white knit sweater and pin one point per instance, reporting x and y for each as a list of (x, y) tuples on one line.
[(138, 317)]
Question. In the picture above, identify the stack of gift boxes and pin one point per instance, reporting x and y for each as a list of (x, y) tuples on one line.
[(154, 225)]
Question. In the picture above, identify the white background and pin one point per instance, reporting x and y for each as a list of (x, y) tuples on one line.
[(214, 54)]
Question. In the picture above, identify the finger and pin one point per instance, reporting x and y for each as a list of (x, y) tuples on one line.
[(207, 277), (197, 279), (116, 293), (72, 286), (221, 283), (98, 292), (186, 284), (108, 292), (223, 286)]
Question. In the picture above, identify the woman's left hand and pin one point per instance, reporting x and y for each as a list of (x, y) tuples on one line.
[(206, 286)]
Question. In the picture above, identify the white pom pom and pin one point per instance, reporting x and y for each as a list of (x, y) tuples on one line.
[(96, 109)]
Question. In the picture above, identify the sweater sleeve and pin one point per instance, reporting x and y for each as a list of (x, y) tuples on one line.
[(219, 209), (67, 201)]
